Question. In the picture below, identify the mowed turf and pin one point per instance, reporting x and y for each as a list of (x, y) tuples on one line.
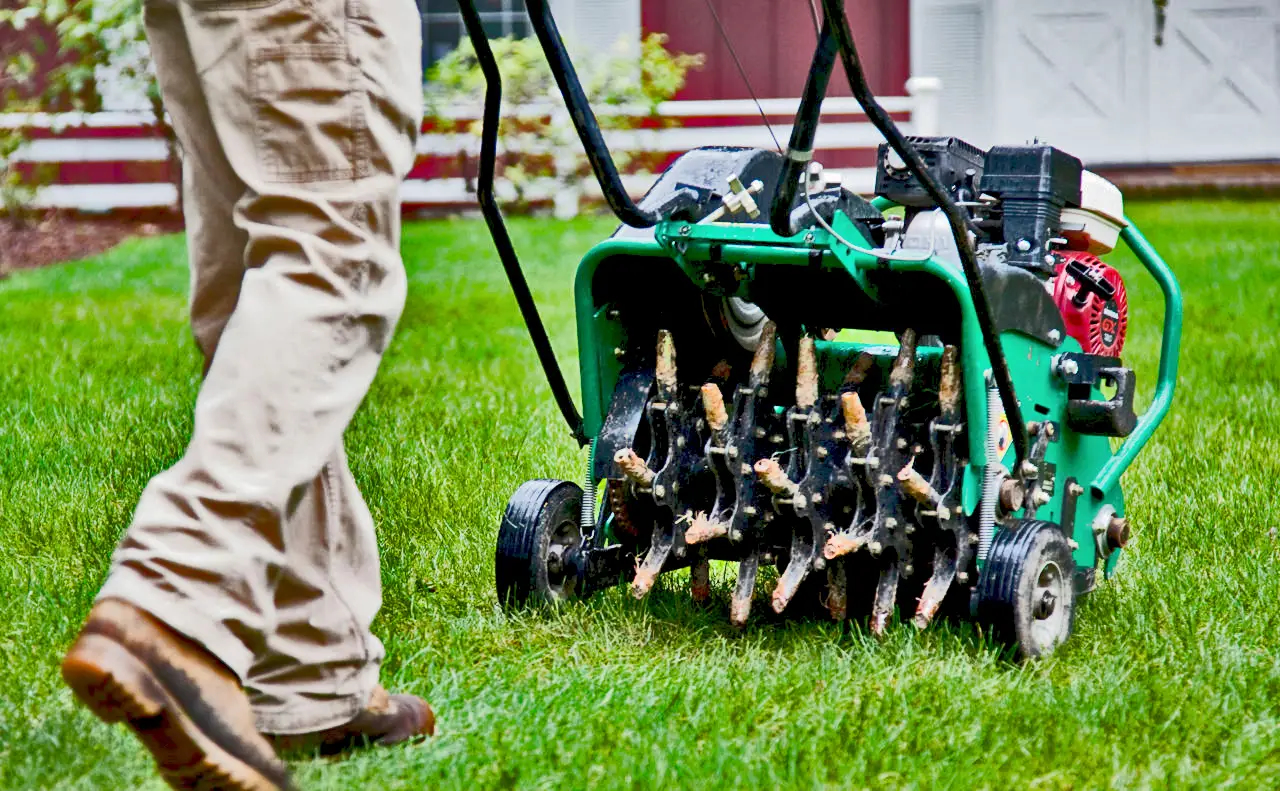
[(1171, 679)]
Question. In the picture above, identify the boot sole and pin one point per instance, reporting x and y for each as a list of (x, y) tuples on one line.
[(118, 687)]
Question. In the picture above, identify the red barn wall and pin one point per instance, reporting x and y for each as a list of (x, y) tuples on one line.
[(774, 39)]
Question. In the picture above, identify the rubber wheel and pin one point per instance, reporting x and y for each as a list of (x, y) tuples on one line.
[(1025, 592), (538, 528)]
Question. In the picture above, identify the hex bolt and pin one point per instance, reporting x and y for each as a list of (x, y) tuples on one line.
[(732, 451), (1055, 336), (1075, 489), (750, 510), (886, 481), (1071, 542), (619, 352), (767, 558), (659, 491), (760, 432), (816, 498), (777, 439), (962, 577), (613, 314), (819, 563), (684, 230), (808, 238), (1023, 245), (875, 548), (973, 538), (830, 527), (1040, 498), (680, 442), (821, 452), (890, 522), (901, 443), (680, 551), (908, 570)]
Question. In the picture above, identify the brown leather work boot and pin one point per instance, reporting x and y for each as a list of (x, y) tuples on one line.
[(184, 705), (386, 720)]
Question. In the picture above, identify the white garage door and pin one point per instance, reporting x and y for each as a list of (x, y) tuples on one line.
[(1086, 75)]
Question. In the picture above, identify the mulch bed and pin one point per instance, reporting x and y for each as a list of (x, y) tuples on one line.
[(51, 238)]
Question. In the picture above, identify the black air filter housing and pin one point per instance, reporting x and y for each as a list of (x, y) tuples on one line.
[(950, 160), (1033, 184)]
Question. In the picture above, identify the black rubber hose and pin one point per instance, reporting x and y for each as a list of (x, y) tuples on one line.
[(800, 147), (839, 22), (584, 121), (498, 228)]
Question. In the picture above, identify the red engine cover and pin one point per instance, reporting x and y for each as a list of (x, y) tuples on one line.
[(1096, 314)]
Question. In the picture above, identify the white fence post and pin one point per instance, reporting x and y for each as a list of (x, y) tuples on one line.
[(926, 114)]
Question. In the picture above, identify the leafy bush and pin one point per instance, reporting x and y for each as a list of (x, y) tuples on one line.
[(537, 137), (90, 35)]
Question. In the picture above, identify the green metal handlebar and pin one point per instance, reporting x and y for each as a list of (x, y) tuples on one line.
[(1167, 378)]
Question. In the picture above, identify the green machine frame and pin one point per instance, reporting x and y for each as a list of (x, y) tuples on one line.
[(753, 245)]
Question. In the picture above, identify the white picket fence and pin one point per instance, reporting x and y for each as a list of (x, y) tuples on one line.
[(117, 161)]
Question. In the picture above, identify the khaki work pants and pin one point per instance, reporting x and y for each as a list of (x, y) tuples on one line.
[(298, 120)]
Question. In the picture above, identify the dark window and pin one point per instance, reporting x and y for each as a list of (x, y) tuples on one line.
[(442, 27)]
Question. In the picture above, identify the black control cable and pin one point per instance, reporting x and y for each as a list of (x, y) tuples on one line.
[(839, 24)]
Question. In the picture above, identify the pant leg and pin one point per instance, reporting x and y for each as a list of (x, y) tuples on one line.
[(321, 656), (244, 545)]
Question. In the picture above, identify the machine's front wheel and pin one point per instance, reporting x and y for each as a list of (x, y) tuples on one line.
[(1026, 592), (537, 542)]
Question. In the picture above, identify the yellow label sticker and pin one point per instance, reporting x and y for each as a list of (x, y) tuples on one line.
[(1004, 435)]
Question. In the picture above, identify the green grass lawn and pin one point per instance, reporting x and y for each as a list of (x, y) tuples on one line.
[(1171, 681)]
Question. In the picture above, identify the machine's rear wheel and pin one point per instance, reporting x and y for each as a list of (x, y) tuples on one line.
[(538, 535), (1025, 592)]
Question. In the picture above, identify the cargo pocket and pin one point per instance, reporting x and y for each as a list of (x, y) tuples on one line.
[(309, 114)]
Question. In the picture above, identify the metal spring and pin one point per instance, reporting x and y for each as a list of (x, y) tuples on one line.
[(587, 517), (991, 488)]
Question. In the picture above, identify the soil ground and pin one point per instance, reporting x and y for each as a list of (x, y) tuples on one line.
[(30, 242)]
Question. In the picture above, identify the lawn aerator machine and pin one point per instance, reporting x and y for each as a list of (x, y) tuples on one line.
[(970, 465)]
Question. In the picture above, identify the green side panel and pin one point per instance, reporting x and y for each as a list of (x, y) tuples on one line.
[(1073, 457), (597, 334)]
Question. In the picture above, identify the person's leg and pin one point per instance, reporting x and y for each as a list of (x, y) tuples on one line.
[(185, 705), (247, 546)]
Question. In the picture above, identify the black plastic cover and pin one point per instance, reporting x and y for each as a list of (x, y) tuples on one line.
[(1033, 184), (1036, 171), (953, 162)]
